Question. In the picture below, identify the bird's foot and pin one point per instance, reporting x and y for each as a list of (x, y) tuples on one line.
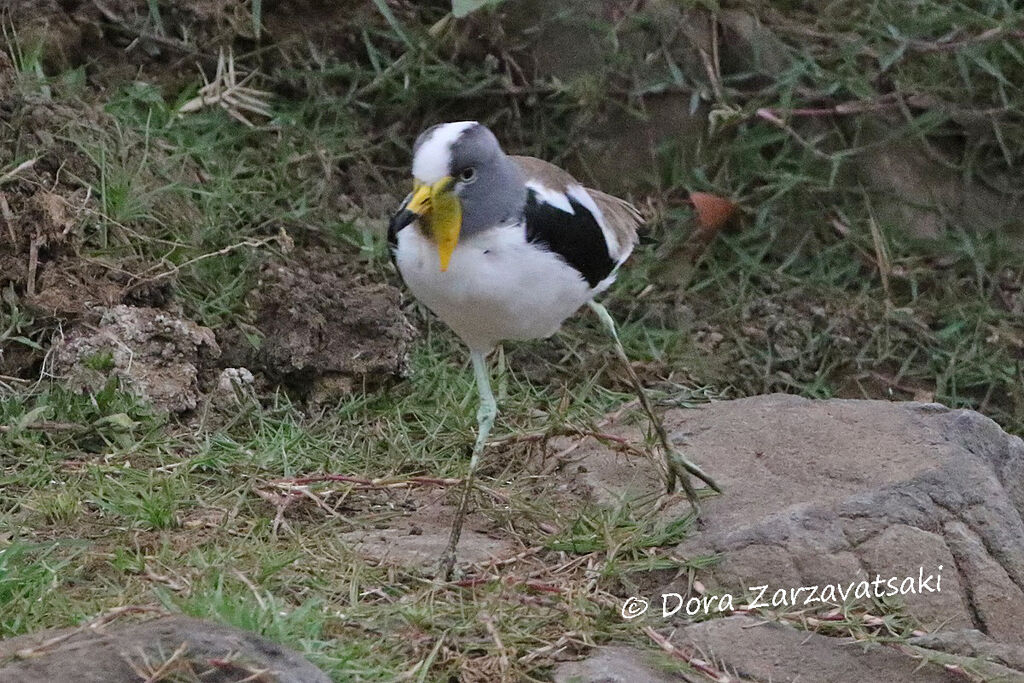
[(446, 565), (679, 469)]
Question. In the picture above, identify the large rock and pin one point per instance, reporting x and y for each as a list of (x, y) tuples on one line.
[(170, 648), (839, 491), (762, 651), (765, 651), (974, 644), (925, 198), (614, 148)]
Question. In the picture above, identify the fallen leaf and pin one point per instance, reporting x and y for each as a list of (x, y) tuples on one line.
[(713, 212)]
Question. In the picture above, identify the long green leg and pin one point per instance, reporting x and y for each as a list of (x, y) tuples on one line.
[(485, 415), (677, 465)]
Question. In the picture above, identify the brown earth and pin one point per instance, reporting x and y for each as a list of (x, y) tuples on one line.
[(328, 329)]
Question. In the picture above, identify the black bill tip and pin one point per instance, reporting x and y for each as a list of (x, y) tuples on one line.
[(401, 219)]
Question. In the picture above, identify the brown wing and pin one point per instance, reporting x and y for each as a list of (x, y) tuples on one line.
[(620, 217)]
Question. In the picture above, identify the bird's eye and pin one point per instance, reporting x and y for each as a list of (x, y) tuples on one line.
[(468, 174)]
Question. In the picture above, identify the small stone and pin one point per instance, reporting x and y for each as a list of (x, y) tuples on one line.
[(231, 377)]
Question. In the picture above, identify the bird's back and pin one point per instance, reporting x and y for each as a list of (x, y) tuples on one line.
[(619, 220)]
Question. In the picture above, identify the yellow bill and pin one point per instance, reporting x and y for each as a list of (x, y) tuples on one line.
[(440, 213)]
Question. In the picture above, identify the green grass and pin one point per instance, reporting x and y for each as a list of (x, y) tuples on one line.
[(107, 503)]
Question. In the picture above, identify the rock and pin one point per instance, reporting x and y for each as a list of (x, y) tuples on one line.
[(973, 643), (837, 491), (756, 650), (50, 27), (179, 647), (235, 386), (418, 538), (594, 47), (614, 664), (229, 378), (748, 46), (766, 651), (153, 352), (328, 330)]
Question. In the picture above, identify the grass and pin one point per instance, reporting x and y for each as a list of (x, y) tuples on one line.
[(821, 291)]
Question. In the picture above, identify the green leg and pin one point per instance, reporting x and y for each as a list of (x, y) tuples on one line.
[(677, 465), (485, 415)]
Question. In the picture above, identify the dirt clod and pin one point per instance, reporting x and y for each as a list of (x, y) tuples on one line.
[(327, 330), (153, 352)]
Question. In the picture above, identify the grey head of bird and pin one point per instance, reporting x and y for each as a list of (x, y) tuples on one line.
[(463, 184)]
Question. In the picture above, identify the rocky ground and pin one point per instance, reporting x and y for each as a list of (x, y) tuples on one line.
[(841, 492), (229, 441)]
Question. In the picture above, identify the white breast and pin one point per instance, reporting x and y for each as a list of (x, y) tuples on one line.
[(497, 285)]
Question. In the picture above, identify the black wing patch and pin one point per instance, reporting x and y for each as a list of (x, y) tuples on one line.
[(576, 237)]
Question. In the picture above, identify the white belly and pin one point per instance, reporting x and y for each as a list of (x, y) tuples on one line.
[(497, 286)]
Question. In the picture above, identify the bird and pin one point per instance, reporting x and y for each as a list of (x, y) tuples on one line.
[(503, 247)]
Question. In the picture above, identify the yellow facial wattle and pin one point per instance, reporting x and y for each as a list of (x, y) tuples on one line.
[(440, 212)]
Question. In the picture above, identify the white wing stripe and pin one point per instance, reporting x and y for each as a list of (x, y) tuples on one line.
[(552, 197)]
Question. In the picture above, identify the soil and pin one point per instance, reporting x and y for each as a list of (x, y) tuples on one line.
[(41, 218), (327, 329)]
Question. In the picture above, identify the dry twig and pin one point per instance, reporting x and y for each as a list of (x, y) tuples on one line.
[(691, 659)]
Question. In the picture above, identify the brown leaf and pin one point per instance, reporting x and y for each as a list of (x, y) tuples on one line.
[(713, 212)]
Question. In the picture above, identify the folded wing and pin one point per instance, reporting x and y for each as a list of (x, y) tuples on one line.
[(594, 232)]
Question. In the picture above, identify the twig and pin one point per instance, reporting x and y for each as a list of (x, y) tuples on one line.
[(699, 664), (712, 66), (23, 166), (33, 265), (119, 27), (769, 116), (881, 256), (231, 665), (492, 631), (41, 426), (252, 587), (779, 20), (8, 216), (230, 93), (887, 101), (364, 483), (552, 648), (161, 672), (997, 33), (509, 581), (281, 238), (620, 443)]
